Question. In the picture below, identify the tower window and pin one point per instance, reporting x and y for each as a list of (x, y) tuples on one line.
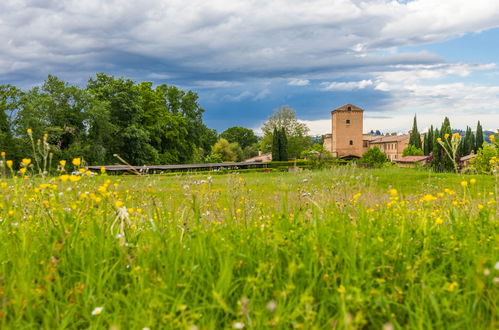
[(351, 142), (349, 108), (348, 121)]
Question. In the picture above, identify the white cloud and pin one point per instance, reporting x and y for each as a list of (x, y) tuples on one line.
[(298, 82), (346, 86), (246, 36)]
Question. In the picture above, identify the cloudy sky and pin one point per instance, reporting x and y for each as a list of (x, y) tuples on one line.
[(435, 58)]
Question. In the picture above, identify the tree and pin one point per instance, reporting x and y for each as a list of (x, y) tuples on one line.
[(412, 151), (467, 143), (225, 150), (276, 147), (440, 161), (296, 131), (283, 145), (244, 136), (428, 144), (479, 137), (374, 157), (415, 137)]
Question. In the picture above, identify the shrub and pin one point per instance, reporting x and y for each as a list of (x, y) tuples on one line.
[(485, 159), (412, 151), (374, 157)]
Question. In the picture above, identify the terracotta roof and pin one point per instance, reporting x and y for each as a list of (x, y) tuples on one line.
[(346, 106), (411, 159), (390, 138)]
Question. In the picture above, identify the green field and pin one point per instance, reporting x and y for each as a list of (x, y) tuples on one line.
[(340, 248)]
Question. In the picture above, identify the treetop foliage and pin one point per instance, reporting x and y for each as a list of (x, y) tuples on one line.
[(140, 122)]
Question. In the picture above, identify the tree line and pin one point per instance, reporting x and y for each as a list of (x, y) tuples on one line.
[(141, 123), (445, 145)]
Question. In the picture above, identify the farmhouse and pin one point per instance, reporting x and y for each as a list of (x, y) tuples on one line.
[(348, 141)]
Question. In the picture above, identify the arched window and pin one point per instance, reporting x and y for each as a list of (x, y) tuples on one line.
[(348, 121), (349, 108), (351, 142)]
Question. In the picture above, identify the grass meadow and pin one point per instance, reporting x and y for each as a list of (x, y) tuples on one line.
[(342, 248)]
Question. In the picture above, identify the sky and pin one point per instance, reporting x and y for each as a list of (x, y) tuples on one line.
[(395, 59)]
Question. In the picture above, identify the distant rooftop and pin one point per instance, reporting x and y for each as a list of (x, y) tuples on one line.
[(348, 107)]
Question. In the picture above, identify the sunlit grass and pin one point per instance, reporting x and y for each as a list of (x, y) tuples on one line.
[(344, 248)]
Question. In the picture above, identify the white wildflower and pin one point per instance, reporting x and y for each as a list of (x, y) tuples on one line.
[(238, 325), (97, 310)]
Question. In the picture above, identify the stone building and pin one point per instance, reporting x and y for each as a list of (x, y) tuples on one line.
[(348, 141), (346, 138)]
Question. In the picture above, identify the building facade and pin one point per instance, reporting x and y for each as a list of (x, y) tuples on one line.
[(348, 141), (346, 137)]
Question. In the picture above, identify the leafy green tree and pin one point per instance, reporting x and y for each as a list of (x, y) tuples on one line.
[(251, 151), (374, 157), (244, 136), (296, 131), (225, 150), (10, 97), (412, 151), (479, 137), (415, 137)]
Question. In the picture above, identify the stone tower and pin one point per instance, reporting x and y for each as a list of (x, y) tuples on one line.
[(347, 128)]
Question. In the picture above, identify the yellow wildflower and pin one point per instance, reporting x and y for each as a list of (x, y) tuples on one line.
[(439, 221), (439, 139), (2, 154), (118, 204), (76, 161), (22, 170), (25, 162), (29, 131), (446, 135), (74, 178), (393, 192), (473, 181), (464, 184), (452, 286), (341, 289), (492, 138), (428, 198), (64, 177), (103, 170), (62, 163), (9, 163)]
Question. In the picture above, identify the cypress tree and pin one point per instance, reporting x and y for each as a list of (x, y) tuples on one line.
[(435, 162), (425, 144), (479, 137), (468, 144), (431, 133), (283, 152), (276, 146), (415, 138), (446, 163)]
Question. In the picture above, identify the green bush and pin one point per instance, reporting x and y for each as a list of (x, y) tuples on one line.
[(412, 151), (374, 157), (484, 161)]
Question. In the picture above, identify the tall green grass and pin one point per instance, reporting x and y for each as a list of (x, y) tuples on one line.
[(341, 248)]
